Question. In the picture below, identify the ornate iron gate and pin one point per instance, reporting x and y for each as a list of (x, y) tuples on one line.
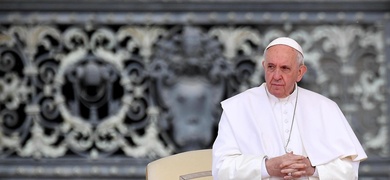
[(96, 90)]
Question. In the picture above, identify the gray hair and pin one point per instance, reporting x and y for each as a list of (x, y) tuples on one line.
[(300, 59)]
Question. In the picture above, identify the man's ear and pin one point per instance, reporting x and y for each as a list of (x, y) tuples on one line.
[(301, 71)]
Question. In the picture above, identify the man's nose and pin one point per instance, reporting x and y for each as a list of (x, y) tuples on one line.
[(277, 74)]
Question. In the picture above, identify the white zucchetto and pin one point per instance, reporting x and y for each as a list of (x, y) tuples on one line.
[(286, 41)]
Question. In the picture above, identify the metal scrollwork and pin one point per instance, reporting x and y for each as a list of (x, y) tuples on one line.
[(144, 92)]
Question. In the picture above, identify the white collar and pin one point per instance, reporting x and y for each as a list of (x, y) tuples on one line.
[(289, 99)]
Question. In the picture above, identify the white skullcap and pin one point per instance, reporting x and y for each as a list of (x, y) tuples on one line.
[(286, 41)]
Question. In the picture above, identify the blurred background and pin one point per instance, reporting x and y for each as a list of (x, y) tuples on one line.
[(96, 89)]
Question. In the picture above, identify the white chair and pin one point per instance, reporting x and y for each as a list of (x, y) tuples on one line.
[(190, 165)]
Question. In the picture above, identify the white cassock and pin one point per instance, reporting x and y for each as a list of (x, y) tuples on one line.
[(255, 125)]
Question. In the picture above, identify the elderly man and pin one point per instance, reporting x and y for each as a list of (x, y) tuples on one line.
[(281, 131)]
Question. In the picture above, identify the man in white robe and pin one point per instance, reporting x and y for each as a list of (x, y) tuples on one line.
[(281, 131)]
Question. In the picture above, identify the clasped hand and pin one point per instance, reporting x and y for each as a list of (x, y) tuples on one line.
[(289, 166)]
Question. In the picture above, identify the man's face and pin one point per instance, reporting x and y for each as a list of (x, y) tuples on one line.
[(282, 70)]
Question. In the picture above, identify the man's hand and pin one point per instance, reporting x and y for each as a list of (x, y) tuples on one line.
[(289, 166)]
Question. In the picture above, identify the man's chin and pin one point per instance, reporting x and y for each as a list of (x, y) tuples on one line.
[(278, 94)]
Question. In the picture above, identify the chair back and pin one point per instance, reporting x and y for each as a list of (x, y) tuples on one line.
[(190, 165)]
